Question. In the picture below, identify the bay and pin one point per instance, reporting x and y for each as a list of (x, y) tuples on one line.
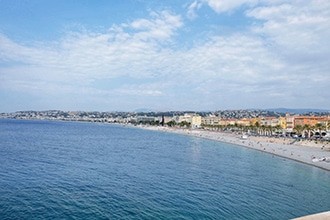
[(71, 170)]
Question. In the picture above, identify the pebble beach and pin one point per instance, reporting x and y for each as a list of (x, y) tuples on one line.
[(315, 153)]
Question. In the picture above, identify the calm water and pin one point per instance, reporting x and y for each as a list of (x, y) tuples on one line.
[(65, 170)]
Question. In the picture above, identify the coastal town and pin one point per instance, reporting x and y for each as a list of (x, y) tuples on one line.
[(310, 125)]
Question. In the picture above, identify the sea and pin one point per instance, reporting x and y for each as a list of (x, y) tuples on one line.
[(79, 170)]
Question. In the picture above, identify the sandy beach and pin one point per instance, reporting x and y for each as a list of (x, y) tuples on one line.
[(306, 151)]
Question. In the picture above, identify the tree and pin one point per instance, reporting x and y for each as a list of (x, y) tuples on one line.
[(184, 124), (298, 129), (257, 127), (320, 127), (262, 129), (270, 130), (307, 128), (278, 129), (171, 123), (157, 123)]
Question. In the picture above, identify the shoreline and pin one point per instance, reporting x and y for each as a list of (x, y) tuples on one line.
[(305, 151)]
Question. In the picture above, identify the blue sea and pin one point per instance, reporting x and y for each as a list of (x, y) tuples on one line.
[(72, 170)]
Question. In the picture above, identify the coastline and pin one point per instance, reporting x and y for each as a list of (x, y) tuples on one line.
[(305, 151)]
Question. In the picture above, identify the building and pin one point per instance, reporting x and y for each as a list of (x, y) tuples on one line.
[(185, 117), (289, 122), (211, 120), (227, 121), (196, 120), (254, 121), (310, 120), (269, 121), (282, 122), (243, 122)]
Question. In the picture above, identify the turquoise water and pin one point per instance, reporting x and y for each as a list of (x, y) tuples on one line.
[(67, 170)]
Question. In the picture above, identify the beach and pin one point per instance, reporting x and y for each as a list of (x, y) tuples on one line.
[(312, 152)]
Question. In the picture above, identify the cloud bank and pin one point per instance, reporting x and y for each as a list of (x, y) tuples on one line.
[(280, 59)]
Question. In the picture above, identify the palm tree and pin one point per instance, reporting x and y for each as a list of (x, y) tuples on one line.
[(271, 130), (307, 128), (278, 129), (257, 126), (262, 129), (320, 127), (298, 129), (219, 127)]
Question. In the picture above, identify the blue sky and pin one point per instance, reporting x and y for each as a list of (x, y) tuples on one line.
[(110, 55)]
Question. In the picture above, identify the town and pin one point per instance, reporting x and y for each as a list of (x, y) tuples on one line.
[(313, 125)]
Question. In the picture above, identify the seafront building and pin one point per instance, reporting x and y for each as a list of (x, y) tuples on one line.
[(282, 122), (310, 120), (287, 124), (289, 121), (194, 119), (244, 122), (269, 121)]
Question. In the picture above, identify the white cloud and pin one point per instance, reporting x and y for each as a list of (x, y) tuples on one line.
[(162, 26), (296, 26), (120, 51), (221, 6), (191, 13), (299, 32), (268, 63)]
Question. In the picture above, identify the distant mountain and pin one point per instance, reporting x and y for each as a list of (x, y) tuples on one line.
[(143, 110), (297, 111)]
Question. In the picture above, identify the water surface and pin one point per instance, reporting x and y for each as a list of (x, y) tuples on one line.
[(68, 170)]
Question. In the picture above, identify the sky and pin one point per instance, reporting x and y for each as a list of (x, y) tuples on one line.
[(110, 55)]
